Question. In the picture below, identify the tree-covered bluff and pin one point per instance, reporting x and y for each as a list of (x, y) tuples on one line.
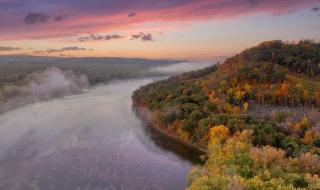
[(256, 115)]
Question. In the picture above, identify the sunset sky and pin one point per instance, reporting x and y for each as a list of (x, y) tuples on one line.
[(175, 29)]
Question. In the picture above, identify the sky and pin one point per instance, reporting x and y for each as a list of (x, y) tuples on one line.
[(156, 29)]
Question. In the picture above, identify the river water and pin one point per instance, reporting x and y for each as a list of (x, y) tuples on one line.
[(90, 141)]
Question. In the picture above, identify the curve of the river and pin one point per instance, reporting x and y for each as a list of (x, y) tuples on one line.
[(90, 141)]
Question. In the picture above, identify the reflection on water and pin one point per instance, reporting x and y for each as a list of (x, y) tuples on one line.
[(90, 141), (183, 151)]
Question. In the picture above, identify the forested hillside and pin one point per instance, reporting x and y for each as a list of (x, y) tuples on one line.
[(256, 115)]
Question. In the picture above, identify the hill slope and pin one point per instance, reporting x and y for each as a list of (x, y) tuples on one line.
[(256, 115)]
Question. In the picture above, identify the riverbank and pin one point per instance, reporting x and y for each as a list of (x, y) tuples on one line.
[(150, 120)]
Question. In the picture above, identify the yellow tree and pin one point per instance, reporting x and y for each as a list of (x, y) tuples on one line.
[(219, 131), (308, 137), (284, 92), (245, 106), (239, 95)]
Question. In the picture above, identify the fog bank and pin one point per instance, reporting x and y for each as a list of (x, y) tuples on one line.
[(180, 67), (50, 83)]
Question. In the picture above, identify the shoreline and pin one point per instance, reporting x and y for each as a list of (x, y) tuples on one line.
[(148, 121)]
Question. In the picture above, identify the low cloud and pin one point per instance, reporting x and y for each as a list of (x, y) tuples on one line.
[(64, 49), (144, 37), (38, 18), (315, 9), (75, 48), (280, 13), (111, 37), (34, 18), (9, 48), (60, 18), (253, 2), (130, 15), (147, 37), (98, 37)]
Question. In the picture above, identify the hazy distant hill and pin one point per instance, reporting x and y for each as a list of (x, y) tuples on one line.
[(60, 60), (13, 69)]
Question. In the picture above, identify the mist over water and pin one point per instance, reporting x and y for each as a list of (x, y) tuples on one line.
[(181, 67), (47, 84), (88, 141)]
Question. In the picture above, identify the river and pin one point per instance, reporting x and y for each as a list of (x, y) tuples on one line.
[(90, 141)]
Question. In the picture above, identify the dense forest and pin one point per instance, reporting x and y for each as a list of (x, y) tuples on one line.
[(256, 116)]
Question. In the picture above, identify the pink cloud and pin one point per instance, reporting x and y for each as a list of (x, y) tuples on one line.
[(82, 17)]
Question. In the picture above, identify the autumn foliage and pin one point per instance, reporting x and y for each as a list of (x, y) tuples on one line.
[(256, 114)]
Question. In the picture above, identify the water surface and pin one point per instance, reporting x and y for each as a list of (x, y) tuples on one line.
[(90, 141)]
